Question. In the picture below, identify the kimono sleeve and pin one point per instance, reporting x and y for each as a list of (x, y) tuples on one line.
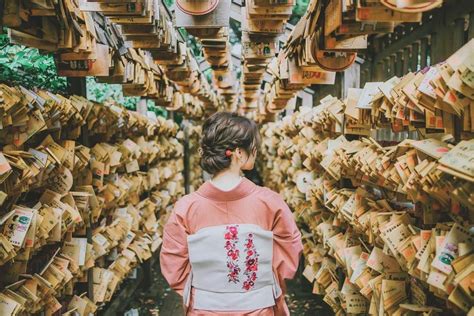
[(174, 260), (287, 240)]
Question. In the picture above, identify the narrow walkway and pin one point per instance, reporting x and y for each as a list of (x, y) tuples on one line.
[(160, 300)]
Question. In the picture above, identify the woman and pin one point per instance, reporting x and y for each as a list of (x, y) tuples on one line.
[(228, 247)]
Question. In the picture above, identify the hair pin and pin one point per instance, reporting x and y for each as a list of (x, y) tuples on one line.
[(228, 153)]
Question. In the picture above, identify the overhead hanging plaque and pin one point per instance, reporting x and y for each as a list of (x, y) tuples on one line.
[(202, 13), (197, 7), (412, 6), (300, 76)]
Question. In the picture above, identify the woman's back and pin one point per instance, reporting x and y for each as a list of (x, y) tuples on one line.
[(228, 251)]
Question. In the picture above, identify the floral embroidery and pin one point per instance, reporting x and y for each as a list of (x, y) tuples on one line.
[(231, 240), (251, 263)]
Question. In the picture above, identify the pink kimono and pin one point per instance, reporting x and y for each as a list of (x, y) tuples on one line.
[(229, 212)]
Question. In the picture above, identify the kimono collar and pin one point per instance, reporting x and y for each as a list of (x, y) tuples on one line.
[(244, 188)]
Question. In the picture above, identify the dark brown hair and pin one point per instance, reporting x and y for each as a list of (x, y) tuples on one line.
[(222, 131)]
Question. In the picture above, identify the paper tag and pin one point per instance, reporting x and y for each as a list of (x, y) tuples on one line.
[(368, 93), (132, 166), (17, 226), (461, 158), (5, 167), (381, 262), (61, 182), (432, 147), (425, 86), (40, 156), (437, 279), (450, 248), (393, 292), (356, 304), (309, 273)]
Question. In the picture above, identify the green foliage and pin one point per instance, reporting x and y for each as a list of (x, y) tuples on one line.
[(208, 74), (235, 31), (298, 11), (169, 3), (159, 111), (20, 65), (101, 92), (195, 46)]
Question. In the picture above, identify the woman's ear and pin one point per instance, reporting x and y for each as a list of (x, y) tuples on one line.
[(239, 153)]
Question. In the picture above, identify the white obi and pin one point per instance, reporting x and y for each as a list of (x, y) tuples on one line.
[(231, 268)]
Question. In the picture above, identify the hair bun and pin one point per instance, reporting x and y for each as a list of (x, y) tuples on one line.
[(224, 131)]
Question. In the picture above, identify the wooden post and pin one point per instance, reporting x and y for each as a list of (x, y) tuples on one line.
[(350, 79), (458, 42), (379, 72), (415, 51), (470, 30), (458, 35), (442, 39), (142, 107), (78, 86), (406, 60), (386, 68), (2, 5), (362, 78), (399, 64), (423, 52), (171, 115), (392, 61), (435, 54)]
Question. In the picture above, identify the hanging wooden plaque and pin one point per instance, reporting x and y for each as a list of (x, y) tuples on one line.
[(213, 32), (331, 62), (223, 79), (96, 65), (380, 13), (113, 9), (264, 26), (268, 12), (359, 28), (345, 43), (411, 6), (208, 14), (258, 49), (300, 76), (333, 16), (197, 7)]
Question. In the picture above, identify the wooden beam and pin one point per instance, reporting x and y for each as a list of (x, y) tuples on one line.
[(444, 16)]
